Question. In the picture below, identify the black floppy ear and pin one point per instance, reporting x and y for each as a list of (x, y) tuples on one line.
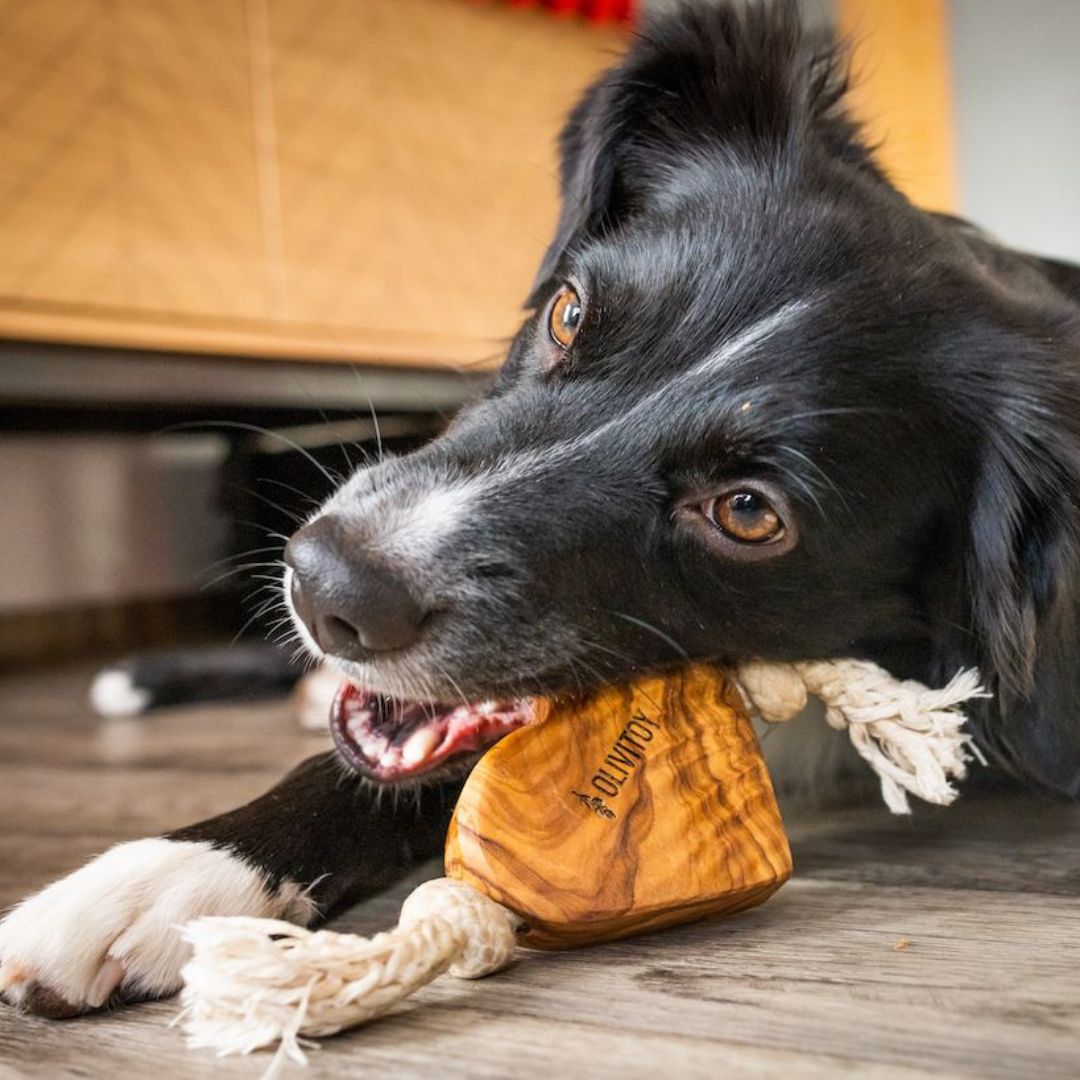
[(1023, 573), (588, 148), (741, 78)]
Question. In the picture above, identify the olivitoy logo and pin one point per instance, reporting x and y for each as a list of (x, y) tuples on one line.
[(627, 753)]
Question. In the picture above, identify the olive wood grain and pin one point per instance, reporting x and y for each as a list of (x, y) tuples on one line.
[(640, 807)]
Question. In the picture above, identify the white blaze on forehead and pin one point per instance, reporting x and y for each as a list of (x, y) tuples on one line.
[(746, 341), (418, 524)]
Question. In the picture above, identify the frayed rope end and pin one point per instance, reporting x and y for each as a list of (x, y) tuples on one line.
[(912, 736)]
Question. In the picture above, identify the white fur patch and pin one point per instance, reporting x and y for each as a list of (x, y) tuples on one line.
[(114, 923), (113, 693), (747, 340), (418, 526)]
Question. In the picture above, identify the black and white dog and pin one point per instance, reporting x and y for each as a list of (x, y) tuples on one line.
[(761, 407)]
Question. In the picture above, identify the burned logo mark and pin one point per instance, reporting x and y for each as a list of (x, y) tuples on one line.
[(595, 804)]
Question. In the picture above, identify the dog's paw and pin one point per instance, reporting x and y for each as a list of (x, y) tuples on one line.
[(110, 931)]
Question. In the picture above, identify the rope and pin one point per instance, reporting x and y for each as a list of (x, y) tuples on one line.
[(912, 736), (251, 983)]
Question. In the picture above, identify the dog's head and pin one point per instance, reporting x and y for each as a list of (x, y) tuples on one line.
[(747, 416)]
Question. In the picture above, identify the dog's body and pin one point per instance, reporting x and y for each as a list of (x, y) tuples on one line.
[(763, 407)]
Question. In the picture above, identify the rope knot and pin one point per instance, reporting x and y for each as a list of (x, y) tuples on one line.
[(486, 931)]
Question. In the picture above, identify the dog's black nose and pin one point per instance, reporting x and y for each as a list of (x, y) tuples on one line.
[(352, 604)]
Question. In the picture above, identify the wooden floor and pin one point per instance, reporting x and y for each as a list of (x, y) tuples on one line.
[(947, 944)]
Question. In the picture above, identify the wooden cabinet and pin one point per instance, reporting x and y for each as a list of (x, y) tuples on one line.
[(364, 180), (360, 180)]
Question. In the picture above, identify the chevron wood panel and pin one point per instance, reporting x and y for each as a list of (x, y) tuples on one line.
[(309, 178)]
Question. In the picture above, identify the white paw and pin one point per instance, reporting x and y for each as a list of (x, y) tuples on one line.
[(114, 693), (110, 930)]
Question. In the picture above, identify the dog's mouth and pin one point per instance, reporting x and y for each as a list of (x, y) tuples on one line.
[(394, 741)]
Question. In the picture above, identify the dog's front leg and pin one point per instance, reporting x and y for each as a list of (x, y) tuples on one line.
[(108, 932)]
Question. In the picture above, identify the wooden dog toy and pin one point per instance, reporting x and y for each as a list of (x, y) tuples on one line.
[(640, 807)]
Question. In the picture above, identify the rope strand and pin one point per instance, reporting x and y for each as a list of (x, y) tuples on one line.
[(251, 983), (912, 736)]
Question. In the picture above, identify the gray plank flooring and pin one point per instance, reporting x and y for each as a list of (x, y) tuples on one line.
[(946, 944)]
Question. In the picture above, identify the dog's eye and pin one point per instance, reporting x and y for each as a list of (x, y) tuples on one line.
[(745, 520), (565, 317), (746, 516)]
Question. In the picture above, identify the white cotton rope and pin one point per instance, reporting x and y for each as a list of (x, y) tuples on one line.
[(253, 983), (912, 736)]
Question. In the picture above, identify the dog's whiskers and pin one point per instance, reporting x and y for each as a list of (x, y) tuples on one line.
[(653, 630)]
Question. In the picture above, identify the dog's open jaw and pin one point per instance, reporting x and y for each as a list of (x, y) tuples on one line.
[(393, 741)]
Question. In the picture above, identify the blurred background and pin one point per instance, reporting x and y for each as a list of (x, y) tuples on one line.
[(244, 243)]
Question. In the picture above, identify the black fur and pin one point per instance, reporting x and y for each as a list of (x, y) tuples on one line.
[(212, 673), (338, 840)]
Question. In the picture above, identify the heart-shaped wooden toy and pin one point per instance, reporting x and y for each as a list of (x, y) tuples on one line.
[(643, 806)]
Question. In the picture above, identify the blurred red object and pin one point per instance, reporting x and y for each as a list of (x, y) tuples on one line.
[(594, 10)]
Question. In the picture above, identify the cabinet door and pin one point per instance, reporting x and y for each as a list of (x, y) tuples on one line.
[(366, 181)]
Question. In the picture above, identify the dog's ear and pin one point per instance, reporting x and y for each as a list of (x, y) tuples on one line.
[(588, 152), (706, 85), (1023, 585)]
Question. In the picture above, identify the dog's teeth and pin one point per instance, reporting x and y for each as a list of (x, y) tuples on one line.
[(487, 708), (372, 746), (418, 746)]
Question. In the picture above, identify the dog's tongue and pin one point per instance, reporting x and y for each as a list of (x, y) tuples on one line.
[(390, 740)]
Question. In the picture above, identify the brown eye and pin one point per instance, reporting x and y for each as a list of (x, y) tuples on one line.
[(746, 516), (565, 317)]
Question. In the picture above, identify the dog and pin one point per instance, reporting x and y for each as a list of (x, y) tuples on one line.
[(760, 406)]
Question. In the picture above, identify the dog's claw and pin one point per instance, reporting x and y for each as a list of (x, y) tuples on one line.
[(108, 979), (41, 999)]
